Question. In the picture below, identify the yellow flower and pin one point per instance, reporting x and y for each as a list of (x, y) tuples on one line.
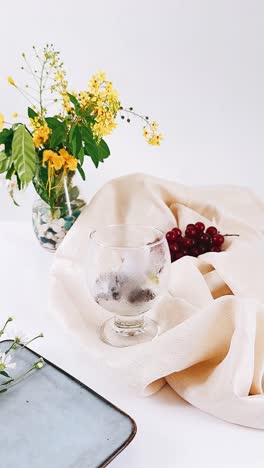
[(155, 140), (94, 85), (104, 122), (145, 132), (53, 159), (151, 136), (64, 154), (69, 161), (35, 123), (15, 114), (154, 126), (84, 99), (11, 81), (102, 100), (71, 164), (41, 135), (59, 76), (101, 76), (66, 102), (2, 119)]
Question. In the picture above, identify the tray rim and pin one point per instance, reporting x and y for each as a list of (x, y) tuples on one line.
[(134, 425)]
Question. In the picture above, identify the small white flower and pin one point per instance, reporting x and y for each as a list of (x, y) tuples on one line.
[(39, 365), (5, 362), (17, 335)]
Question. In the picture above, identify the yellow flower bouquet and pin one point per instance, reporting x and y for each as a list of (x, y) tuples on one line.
[(50, 149)]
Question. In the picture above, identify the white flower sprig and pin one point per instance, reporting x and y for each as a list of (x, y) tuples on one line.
[(19, 341)]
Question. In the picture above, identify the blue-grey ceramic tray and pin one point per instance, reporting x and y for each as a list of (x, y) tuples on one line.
[(52, 420)]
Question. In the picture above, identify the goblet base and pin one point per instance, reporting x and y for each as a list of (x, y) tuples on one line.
[(125, 332)]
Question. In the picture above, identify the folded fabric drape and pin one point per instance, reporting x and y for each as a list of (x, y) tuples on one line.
[(211, 346)]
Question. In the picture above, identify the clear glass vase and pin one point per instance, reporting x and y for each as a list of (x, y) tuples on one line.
[(51, 222)]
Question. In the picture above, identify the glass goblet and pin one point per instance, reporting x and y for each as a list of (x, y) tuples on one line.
[(128, 272)]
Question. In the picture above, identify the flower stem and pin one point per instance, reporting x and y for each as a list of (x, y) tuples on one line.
[(41, 87), (30, 70), (5, 325), (136, 115), (26, 96), (231, 235), (24, 374), (11, 347), (22, 346)]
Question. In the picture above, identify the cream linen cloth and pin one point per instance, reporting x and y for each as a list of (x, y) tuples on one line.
[(211, 346)]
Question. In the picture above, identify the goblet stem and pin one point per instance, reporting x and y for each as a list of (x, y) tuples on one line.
[(121, 331), (129, 323)]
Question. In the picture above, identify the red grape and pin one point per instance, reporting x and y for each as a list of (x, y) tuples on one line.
[(171, 237), (205, 239), (177, 232), (210, 242), (202, 249), (215, 249), (185, 251), (179, 255), (196, 241), (188, 243), (174, 248), (200, 227), (218, 240), (191, 231), (194, 252), (211, 230), (179, 240)]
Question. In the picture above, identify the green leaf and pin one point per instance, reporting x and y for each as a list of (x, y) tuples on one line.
[(5, 374), (75, 140), (81, 171), (54, 123), (58, 137), (5, 135), (98, 152), (81, 155), (89, 118), (4, 162), (2, 391), (87, 135), (74, 101), (103, 150), (11, 171), (91, 151), (23, 155), (31, 113), (74, 193)]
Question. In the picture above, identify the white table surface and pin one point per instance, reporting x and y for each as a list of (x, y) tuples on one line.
[(171, 433)]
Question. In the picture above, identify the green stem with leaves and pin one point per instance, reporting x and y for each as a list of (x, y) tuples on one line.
[(38, 365), (41, 89), (10, 319)]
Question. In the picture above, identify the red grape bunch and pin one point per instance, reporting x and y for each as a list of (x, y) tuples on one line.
[(196, 241)]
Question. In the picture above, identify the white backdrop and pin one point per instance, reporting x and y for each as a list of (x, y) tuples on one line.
[(194, 65)]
